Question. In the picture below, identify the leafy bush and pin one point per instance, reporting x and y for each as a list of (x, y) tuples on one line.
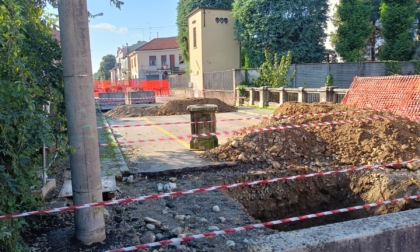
[(392, 67), (30, 77), (416, 66), (273, 72), (329, 81)]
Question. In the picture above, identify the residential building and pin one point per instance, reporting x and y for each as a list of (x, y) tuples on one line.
[(121, 71), (156, 59), (212, 43)]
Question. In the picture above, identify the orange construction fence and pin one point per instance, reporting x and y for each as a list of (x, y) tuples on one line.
[(400, 94), (160, 87)]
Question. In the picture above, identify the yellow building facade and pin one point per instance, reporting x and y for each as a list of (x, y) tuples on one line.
[(212, 43)]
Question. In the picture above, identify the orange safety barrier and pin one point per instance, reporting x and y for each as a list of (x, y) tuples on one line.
[(400, 94), (160, 87)]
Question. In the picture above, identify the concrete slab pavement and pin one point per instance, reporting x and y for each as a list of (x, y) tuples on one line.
[(162, 154), (255, 111)]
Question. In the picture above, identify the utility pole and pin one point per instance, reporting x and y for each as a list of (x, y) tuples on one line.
[(81, 119)]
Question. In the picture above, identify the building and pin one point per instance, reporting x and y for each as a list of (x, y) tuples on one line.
[(156, 59), (121, 71), (212, 43)]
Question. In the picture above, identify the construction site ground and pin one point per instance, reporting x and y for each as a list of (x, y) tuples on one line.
[(241, 158)]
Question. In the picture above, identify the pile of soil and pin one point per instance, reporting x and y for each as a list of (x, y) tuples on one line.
[(325, 148), (179, 107), (125, 111), (378, 141), (173, 107)]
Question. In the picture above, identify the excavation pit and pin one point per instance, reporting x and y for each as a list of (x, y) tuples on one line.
[(292, 198)]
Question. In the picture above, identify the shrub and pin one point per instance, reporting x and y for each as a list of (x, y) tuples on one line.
[(392, 67), (30, 77), (274, 72)]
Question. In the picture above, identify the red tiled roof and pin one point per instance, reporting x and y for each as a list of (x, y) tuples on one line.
[(160, 44)]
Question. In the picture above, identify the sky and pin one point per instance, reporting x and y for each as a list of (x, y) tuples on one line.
[(137, 20)]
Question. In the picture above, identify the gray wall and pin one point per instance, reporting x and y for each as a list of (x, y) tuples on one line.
[(307, 75), (313, 75)]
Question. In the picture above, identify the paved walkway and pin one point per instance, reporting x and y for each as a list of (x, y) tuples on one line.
[(164, 155)]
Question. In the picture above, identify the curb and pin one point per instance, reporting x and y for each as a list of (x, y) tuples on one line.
[(117, 151)]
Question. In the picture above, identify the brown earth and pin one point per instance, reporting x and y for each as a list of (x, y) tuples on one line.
[(261, 156), (172, 107), (359, 143)]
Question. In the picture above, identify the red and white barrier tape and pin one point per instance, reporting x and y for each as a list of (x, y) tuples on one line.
[(205, 189), (265, 224), (273, 128), (248, 118)]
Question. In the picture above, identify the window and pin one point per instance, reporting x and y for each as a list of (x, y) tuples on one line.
[(163, 60), (181, 60), (194, 37), (152, 60)]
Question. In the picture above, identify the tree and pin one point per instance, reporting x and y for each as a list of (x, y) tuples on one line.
[(280, 26), (274, 71), (353, 21), (183, 9), (397, 18), (376, 29), (107, 63), (30, 77)]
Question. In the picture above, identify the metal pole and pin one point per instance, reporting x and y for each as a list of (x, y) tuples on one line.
[(44, 151), (81, 118)]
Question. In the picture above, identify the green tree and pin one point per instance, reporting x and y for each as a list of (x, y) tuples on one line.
[(274, 71), (107, 63), (376, 29), (352, 20), (183, 9), (397, 18), (30, 77), (280, 26)]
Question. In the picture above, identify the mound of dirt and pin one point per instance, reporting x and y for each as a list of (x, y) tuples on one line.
[(132, 111), (179, 107), (173, 107), (378, 141)]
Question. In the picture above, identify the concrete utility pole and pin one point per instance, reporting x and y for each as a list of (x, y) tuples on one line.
[(81, 119)]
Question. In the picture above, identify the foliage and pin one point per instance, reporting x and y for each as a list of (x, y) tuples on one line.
[(392, 67), (183, 9), (330, 56), (30, 76), (274, 72), (246, 61), (352, 20), (397, 18), (281, 26), (329, 80), (375, 35), (108, 62), (416, 64), (242, 90)]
